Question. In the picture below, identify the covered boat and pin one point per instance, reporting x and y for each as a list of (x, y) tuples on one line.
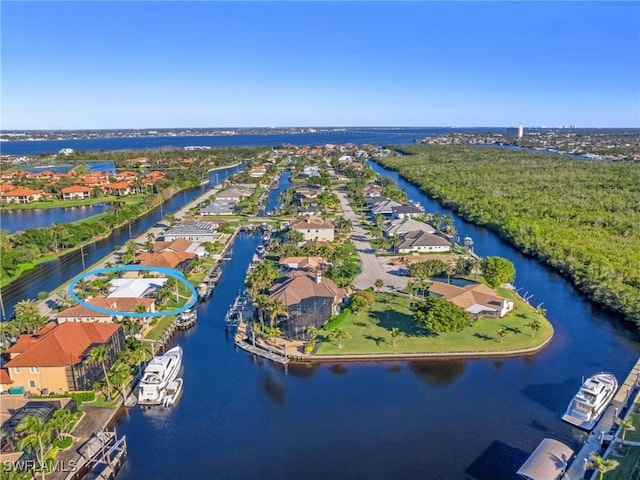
[(547, 462)]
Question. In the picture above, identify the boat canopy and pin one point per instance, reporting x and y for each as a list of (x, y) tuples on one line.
[(548, 461)]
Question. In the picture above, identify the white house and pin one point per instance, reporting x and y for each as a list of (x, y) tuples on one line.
[(314, 228), (421, 241)]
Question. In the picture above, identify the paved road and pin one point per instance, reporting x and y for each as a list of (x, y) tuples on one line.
[(373, 267)]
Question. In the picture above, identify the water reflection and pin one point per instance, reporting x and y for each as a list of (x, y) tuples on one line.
[(305, 370), (438, 373), (338, 369), (273, 389)]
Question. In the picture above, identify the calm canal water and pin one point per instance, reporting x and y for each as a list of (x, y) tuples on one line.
[(50, 275), (244, 418), (16, 220)]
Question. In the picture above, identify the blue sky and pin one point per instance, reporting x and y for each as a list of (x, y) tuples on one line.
[(89, 65)]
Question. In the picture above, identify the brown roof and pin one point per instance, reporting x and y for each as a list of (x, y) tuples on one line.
[(177, 245), (62, 345), (6, 187), (76, 189), (311, 222), (467, 296), (123, 304), (303, 262), (297, 286), (420, 238), (165, 258)]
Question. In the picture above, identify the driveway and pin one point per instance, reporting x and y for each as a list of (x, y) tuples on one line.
[(373, 267)]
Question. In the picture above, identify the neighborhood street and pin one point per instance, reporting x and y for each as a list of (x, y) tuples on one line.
[(372, 266)]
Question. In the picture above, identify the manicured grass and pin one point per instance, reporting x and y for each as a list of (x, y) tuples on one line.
[(629, 468), (101, 402), (63, 443), (158, 331), (370, 331)]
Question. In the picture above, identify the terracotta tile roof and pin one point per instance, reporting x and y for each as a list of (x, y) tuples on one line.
[(23, 192), (6, 187), (310, 223), (117, 185), (63, 345), (121, 304), (297, 286), (4, 377), (76, 189), (165, 258)]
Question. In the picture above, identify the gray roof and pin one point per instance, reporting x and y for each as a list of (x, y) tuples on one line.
[(406, 208), (547, 461), (421, 238), (192, 228), (218, 207)]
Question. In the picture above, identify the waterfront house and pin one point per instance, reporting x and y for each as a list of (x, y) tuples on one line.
[(406, 211), (163, 259), (310, 300), (220, 207), (138, 288), (81, 313), (236, 192), (302, 263), (422, 242), (314, 228), (55, 357), (477, 299), (384, 207), (75, 191), (118, 188), (258, 172), (180, 245), (194, 231), (405, 225), (23, 195)]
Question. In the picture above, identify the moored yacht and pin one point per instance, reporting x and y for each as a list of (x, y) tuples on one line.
[(591, 400), (159, 373)]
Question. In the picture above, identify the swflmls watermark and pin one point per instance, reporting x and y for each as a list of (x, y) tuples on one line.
[(67, 466)]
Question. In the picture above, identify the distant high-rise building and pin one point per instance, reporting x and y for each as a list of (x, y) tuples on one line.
[(515, 132)]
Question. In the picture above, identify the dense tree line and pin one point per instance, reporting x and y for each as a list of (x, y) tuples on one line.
[(582, 217)]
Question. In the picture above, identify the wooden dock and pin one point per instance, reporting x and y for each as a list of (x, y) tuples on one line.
[(263, 351)]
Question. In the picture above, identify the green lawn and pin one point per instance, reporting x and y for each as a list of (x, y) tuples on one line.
[(629, 468), (370, 332), (158, 331)]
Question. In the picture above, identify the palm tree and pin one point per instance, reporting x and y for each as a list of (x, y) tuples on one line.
[(37, 438), (436, 219), (626, 425), (61, 422), (98, 356), (339, 335), (541, 311), (395, 333), (312, 333), (83, 287), (120, 380), (262, 303), (534, 325), (148, 244), (502, 332), (276, 308), (603, 465), (379, 283)]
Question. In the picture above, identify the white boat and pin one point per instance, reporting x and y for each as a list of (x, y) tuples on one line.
[(592, 399), (160, 371), (172, 393)]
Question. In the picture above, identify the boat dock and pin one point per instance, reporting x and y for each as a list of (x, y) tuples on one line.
[(262, 350), (101, 457), (606, 428)]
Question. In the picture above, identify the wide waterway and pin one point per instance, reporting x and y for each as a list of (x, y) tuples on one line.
[(16, 220), (242, 417)]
